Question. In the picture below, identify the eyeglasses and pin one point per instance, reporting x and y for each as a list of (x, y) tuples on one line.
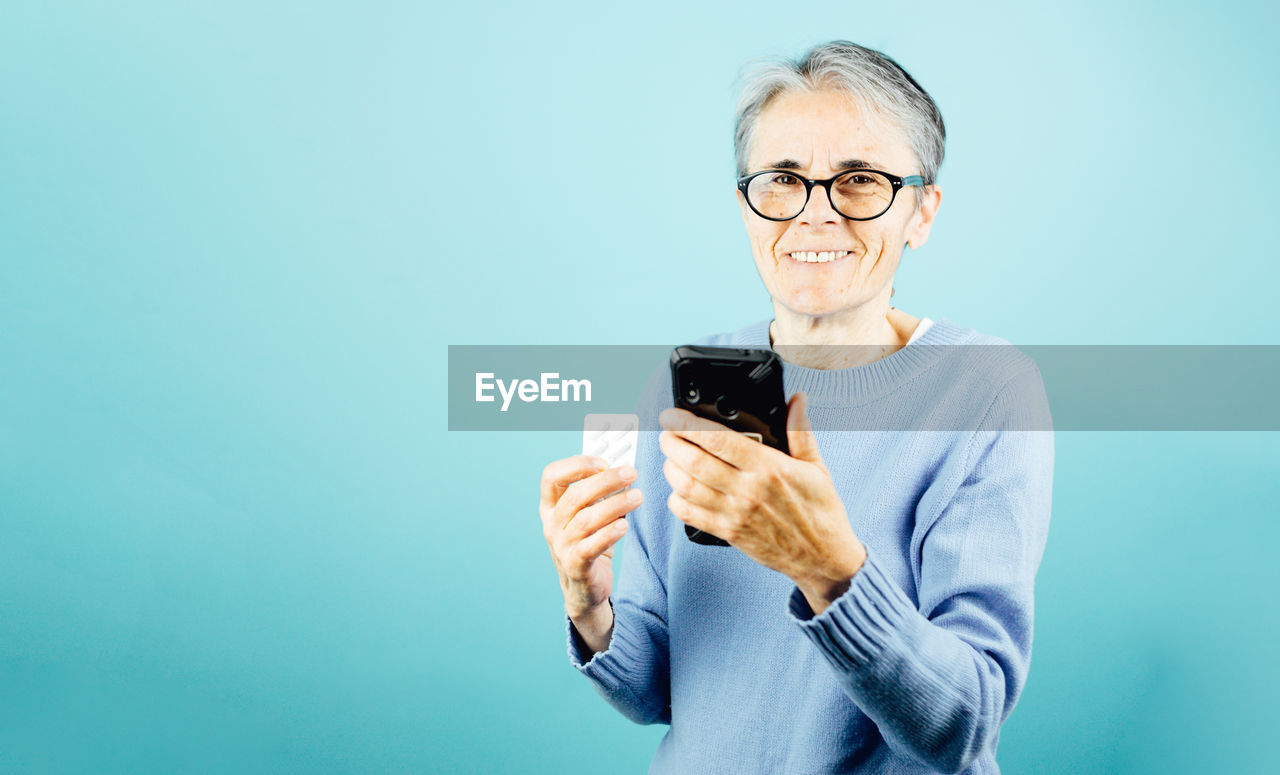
[(859, 195)]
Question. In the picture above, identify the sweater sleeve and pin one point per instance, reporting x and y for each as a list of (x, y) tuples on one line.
[(940, 680), (633, 672)]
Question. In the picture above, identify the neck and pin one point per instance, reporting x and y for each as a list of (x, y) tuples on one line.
[(841, 340)]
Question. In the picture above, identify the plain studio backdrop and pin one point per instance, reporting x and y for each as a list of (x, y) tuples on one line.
[(237, 238)]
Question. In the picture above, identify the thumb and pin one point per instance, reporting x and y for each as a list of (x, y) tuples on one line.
[(800, 438)]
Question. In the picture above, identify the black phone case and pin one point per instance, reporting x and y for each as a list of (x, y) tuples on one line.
[(739, 388)]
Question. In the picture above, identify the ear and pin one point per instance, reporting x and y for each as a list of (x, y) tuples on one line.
[(742, 204), (921, 222)]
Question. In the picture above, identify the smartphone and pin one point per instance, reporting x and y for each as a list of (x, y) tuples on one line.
[(739, 388)]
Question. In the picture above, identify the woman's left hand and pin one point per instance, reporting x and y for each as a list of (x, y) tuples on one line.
[(781, 510)]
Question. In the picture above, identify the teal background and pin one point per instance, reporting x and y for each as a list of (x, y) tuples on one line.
[(236, 239)]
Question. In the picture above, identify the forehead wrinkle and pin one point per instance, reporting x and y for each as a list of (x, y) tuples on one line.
[(772, 161), (864, 125)]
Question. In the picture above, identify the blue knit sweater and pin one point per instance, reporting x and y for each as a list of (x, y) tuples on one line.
[(917, 665)]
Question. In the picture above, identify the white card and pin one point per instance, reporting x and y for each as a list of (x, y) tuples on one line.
[(612, 437)]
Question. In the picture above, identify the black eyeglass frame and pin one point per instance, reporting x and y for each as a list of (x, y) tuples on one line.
[(896, 181)]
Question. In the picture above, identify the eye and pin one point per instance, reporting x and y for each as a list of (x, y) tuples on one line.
[(783, 179)]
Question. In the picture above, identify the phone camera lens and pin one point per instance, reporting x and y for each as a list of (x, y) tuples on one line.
[(691, 394), (725, 409)]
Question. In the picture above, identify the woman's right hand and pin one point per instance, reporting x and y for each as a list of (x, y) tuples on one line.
[(580, 534)]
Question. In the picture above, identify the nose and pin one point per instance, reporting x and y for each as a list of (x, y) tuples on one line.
[(818, 209)]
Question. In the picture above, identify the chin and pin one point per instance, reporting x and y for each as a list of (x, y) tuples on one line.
[(813, 305)]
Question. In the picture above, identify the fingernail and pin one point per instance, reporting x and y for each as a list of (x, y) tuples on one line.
[(627, 472), (600, 462)]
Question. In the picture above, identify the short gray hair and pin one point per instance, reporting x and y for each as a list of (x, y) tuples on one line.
[(876, 83)]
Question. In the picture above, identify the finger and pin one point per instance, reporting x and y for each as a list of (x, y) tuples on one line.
[(699, 517), (593, 517), (800, 437), (723, 442), (583, 492), (585, 551), (701, 464), (559, 474), (691, 489)]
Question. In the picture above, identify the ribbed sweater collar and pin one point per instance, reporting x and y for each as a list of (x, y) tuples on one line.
[(860, 384)]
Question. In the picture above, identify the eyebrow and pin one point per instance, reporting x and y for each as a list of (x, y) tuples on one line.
[(847, 164)]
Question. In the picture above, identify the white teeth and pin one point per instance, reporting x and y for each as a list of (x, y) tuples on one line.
[(819, 258)]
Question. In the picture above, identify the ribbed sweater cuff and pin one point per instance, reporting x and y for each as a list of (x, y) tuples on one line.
[(873, 616), (609, 668), (577, 647)]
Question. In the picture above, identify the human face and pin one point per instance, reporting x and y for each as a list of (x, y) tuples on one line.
[(818, 132)]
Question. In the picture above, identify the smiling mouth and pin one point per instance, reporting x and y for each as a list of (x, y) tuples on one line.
[(824, 257)]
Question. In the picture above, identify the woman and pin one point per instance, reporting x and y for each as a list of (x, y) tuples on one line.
[(876, 615)]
